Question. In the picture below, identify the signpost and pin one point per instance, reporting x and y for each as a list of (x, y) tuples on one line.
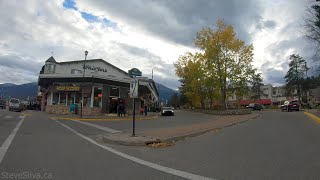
[(134, 88)]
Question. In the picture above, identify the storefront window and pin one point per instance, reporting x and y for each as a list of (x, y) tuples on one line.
[(77, 98), (63, 98), (70, 98), (114, 92), (97, 97), (55, 98)]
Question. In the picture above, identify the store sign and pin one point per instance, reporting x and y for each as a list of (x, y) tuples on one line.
[(94, 68), (134, 72), (67, 88)]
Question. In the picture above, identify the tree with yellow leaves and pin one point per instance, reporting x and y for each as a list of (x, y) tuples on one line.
[(221, 67)]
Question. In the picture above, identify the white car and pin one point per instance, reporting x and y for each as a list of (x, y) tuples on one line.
[(15, 105), (167, 111)]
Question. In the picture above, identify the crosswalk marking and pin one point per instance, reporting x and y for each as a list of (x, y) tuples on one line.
[(8, 117), (6, 144)]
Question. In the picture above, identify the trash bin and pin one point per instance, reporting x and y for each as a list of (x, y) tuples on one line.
[(74, 108)]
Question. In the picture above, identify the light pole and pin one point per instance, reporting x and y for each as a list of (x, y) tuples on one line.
[(84, 71), (307, 83)]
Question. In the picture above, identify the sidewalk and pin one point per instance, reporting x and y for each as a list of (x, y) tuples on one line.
[(105, 117), (168, 135), (176, 133)]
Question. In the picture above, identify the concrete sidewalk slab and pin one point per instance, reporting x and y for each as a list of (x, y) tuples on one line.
[(106, 118), (176, 133)]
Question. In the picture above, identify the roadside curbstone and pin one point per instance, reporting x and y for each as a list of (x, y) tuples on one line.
[(312, 116)]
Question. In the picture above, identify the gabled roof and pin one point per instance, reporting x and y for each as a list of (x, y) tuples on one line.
[(95, 60), (51, 59)]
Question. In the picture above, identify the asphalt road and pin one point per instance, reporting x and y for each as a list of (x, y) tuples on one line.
[(278, 145)]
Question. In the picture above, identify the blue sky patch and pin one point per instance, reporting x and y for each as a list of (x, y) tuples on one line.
[(89, 17), (69, 4)]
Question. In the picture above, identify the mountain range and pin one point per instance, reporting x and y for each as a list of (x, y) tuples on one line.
[(22, 91), (30, 90)]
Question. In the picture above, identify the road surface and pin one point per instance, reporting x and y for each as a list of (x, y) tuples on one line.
[(277, 145)]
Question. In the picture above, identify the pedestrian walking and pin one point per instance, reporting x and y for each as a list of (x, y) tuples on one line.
[(141, 110)]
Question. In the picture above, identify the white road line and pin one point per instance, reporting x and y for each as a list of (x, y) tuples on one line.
[(8, 116), (109, 130), (6, 144), (140, 161)]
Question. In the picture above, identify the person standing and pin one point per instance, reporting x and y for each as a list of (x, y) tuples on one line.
[(145, 110), (118, 109), (141, 110)]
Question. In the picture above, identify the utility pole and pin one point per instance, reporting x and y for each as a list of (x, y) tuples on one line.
[(306, 83), (84, 71), (297, 80)]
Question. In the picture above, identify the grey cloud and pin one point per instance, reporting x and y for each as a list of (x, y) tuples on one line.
[(167, 71), (268, 24), (272, 75), (16, 63), (179, 20)]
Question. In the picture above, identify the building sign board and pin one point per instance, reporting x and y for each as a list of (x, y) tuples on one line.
[(67, 88), (134, 72), (95, 68), (134, 87)]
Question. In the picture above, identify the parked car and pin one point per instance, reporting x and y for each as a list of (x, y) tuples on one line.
[(15, 105), (254, 106), (290, 105), (3, 104), (167, 111)]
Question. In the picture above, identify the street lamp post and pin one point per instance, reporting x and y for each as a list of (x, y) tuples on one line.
[(306, 83), (84, 71)]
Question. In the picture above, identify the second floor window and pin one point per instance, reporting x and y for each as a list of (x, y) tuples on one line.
[(76, 71)]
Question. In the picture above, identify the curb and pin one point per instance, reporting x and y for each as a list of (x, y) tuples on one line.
[(103, 119), (130, 143), (313, 117)]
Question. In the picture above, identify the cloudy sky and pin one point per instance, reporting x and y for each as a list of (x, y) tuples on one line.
[(146, 34)]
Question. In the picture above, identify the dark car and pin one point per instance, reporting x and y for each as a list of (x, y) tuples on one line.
[(254, 106), (290, 106), (2, 104), (167, 111)]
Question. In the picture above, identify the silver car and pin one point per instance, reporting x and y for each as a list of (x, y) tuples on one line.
[(167, 111), (15, 105)]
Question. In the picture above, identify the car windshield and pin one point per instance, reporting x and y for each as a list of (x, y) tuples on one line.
[(166, 108)]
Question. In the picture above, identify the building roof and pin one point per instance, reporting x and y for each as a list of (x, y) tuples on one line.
[(92, 60), (51, 59)]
